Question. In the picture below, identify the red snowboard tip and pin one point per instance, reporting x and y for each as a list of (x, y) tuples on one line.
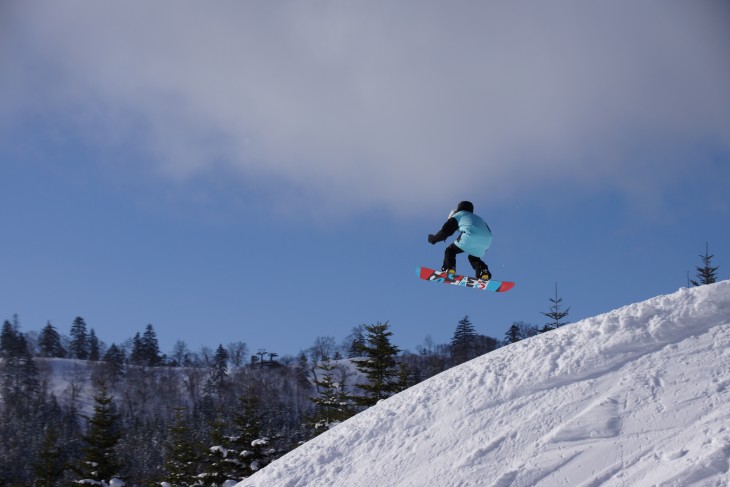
[(506, 286)]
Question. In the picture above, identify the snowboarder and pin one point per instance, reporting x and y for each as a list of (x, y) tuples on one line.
[(475, 238)]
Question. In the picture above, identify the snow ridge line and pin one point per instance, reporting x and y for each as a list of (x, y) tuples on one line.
[(615, 339)]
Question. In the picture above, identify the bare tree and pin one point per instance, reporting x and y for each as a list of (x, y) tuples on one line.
[(180, 354), (237, 352), (322, 347)]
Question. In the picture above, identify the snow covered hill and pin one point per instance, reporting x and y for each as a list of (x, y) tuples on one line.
[(639, 396)]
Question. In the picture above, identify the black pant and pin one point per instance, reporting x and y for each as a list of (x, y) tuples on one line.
[(450, 259)]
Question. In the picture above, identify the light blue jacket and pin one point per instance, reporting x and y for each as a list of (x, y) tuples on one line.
[(476, 236)]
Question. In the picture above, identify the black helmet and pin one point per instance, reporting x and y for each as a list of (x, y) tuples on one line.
[(465, 206)]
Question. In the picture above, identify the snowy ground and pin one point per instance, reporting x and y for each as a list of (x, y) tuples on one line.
[(69, 380), (636, 397)]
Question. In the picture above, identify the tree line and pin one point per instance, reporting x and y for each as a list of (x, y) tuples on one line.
[(131, 413)]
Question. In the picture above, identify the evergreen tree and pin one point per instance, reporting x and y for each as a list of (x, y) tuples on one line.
[(514, 334), (100, 460), (49, 342), (137, 357), (79, 346), (217, 462), (464, 342), (302, 372), (94, 351), (36, 443), (251, 448), (146, 349), (21, 398), (378, 364), (519, 331), (242, 453), (151, 348), (10, 342), (407, 377), (50, 460), (218, 372), (143, 466), (486, 344), (182, 459), (555, 313), (706, 274), (18, 371), (527, 330), (332, 405), (114, 363)]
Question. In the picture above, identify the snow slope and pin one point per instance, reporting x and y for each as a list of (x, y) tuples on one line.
[(639, 396)]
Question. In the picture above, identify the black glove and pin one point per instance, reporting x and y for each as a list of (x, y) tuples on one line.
[(432, 239)]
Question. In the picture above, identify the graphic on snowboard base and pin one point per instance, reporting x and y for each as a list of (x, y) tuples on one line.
[(455, 280)]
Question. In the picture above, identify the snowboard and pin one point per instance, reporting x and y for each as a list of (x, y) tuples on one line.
[(439, 276)]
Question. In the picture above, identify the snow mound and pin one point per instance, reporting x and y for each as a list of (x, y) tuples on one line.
[(637, 396)]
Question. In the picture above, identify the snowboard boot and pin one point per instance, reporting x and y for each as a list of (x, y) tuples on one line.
[(449, 270), (484, 274)]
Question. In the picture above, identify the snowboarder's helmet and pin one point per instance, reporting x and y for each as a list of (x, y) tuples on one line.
[(465, 206)]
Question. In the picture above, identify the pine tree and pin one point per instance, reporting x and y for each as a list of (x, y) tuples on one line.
[(555, 313), (100, 460), (407, 376), (94, 351), (151, 347), (464, 342), (302, 372), (114, 363), (332, 405), (49, 465), (514, 334), (217, 464), (242, 453), (182, 459), (19, 373), (252, 449), (137, 357), (146, 349), (49, 342), (379, 365), (486, 344), (79, 346), (21, 398), (706, 274), (218, 372), (9, 340), (519, 331)]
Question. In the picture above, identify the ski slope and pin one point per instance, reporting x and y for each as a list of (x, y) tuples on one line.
[(639, 396)]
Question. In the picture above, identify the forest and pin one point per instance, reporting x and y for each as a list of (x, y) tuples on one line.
[(74, 410)]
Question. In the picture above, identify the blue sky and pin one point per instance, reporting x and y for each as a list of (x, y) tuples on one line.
[(241, 172)]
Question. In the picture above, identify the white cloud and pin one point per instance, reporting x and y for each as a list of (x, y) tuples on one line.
[(369, 103)]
